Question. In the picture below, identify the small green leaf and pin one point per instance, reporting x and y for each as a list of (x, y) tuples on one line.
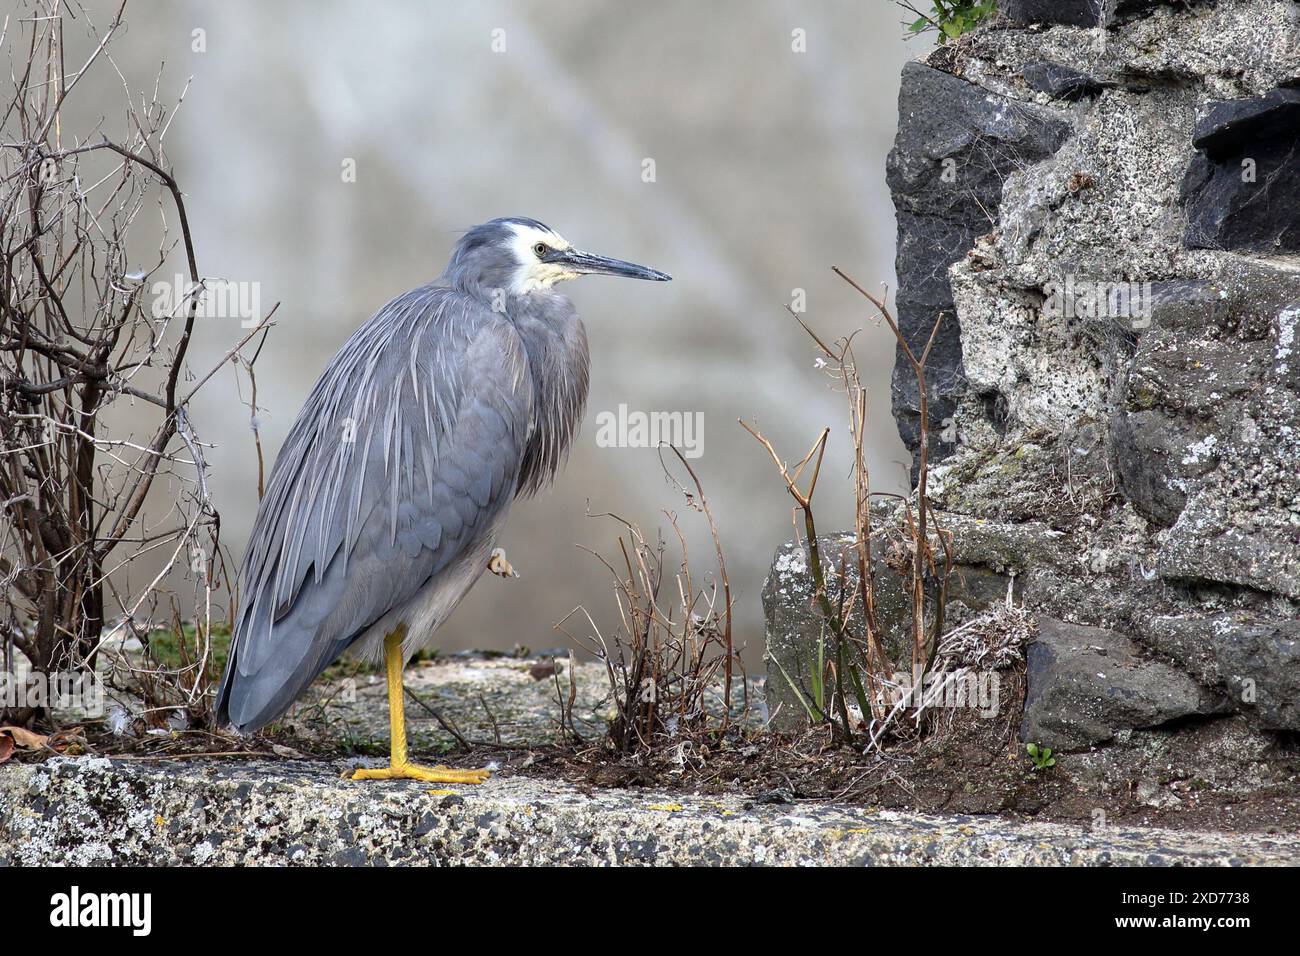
[(1041, 756)]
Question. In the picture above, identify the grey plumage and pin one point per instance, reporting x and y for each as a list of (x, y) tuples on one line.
[(386, 499)]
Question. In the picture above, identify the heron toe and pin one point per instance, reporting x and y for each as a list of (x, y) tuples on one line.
[(499, 565), (412, 771)]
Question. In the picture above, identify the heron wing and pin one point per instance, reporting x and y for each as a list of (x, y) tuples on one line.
[(406, 453)]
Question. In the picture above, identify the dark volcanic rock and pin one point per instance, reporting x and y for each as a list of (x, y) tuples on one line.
[(1149, 446), (1086, 683), (1260, 662), (945, 175), (1147, 437), (1228, 125), (1077, 13), (1256, 660), (1240, 189), (1059, 81)]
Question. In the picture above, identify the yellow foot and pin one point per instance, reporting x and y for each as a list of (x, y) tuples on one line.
[(411, 771)]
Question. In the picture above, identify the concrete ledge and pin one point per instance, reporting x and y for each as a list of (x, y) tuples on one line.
[(94, 811)]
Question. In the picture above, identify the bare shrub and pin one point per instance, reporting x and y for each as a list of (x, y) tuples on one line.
[(84, 347), (671, 662)]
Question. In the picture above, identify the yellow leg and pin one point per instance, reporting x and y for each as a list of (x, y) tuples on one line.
[(399, 767)]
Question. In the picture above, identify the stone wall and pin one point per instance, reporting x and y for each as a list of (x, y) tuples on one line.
[(1103, 200)]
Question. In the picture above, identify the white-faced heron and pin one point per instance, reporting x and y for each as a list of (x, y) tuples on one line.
[(385, 502)]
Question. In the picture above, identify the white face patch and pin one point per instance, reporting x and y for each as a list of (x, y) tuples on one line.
[(533, 274)]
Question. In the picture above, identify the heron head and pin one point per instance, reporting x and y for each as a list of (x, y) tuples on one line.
[(524, 255)]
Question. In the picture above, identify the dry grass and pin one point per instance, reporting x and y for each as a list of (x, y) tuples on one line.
[(858, 666)]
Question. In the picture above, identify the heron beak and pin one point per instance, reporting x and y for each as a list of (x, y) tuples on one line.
[(586, 263)]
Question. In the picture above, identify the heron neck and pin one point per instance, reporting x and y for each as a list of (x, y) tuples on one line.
[(556, 344)]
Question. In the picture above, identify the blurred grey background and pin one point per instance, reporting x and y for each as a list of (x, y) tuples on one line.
[(769, 168)]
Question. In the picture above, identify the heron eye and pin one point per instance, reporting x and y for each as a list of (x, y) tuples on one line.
[(540, 249)]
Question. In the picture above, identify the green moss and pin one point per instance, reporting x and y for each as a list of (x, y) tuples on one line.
[(353, 744), (1144, 398), (171, 650)]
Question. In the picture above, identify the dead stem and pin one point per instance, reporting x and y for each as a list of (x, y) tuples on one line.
[(672, 646), (859, 659)]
